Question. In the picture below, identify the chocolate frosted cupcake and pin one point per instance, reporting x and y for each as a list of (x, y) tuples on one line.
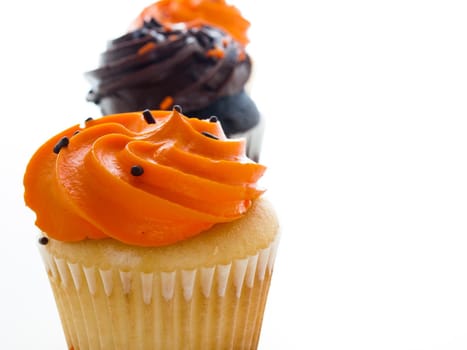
[(200, 68)]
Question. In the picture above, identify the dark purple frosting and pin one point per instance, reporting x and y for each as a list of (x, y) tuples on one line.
[(141, 69)]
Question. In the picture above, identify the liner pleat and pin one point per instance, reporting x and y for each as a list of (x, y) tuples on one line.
[(215, 307), (254, 139)]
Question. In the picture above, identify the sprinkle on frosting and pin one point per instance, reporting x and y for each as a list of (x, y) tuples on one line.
[(146, 48), (148, 117), (225, 42), (166, 103), (43, 240), (216, 52), (208, 134), (153, 23), (137, 170), (241, 55), (213, 119), (177, 108), (63, 142)]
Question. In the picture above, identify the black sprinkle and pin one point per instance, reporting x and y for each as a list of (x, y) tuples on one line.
[(153, 23), (213, 119), (204, 39), (208, 134), (43, 240), (64, 141), (89, 119), (177, 108), (148, 117), (137, 170), (76, 132)]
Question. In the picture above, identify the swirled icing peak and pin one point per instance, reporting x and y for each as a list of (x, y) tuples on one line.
[(147, 179), (195, 12)]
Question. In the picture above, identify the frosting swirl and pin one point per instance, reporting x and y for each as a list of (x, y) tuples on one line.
[(146, 182), (157, 67), (195, 12)]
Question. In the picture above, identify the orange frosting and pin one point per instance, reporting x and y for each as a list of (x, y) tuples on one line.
[(191, 177), (195, 12)]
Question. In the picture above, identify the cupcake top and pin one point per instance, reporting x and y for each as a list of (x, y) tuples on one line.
[(195, 12), (158, 66), (145, 179)]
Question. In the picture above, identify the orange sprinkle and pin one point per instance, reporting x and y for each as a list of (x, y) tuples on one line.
[(216, 52), (166, 103), (241, 55), (225, 41), (146, 48)]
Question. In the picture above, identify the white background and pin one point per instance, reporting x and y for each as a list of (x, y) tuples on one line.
[(366, 147)]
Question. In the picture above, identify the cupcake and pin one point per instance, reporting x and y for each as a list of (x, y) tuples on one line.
[(154, 233), (182, 57), (216, 13)]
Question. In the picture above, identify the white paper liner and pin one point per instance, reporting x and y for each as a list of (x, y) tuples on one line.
[(217, 307), (254, 139)]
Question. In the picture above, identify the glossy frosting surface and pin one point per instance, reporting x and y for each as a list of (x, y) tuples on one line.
[(147, 179)]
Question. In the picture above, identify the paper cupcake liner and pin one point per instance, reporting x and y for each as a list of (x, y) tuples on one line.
[(254, 139), (216, 307)]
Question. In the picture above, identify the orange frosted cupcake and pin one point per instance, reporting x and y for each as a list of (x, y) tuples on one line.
[(155, 233), (216, 13)]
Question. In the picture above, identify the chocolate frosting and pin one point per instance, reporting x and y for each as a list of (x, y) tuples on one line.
[(202, 69)]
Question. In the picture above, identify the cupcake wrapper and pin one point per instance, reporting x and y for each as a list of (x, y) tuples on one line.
[(254, 140), (216, 307)]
